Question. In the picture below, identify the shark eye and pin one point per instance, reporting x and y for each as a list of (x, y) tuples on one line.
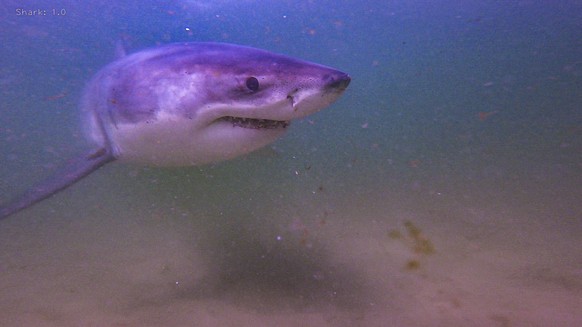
[(252, 84)]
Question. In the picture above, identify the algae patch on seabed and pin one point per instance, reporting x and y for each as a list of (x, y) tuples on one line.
[(420, 245)]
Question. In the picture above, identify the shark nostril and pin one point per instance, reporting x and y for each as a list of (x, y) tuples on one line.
[(292, 100), (339, 81)]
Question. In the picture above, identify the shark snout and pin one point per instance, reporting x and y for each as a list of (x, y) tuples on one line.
[(338, 81)]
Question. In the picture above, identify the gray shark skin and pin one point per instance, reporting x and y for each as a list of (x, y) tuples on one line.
[(189, 104)]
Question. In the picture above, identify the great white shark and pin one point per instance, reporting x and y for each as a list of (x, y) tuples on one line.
[(189, 104)]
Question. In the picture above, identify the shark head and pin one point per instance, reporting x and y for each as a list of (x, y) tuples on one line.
[(196, 103)]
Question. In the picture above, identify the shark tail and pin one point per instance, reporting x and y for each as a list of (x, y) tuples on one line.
[(73, 171)]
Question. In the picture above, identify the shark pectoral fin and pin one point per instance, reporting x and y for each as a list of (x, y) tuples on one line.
[(73, 171)]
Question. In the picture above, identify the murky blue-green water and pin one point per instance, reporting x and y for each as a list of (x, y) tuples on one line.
[(442, 189)]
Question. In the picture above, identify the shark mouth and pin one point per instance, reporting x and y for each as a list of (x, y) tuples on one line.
[(253, 123)]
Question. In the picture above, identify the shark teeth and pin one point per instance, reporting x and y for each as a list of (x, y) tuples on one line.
[(254, 123)]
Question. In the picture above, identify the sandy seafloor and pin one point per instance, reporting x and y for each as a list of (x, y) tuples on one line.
[(443, 189)]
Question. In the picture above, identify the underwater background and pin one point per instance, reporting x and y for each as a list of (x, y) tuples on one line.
[(443, 189)]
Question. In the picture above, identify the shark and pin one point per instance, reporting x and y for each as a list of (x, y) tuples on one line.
[(189, 104)]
